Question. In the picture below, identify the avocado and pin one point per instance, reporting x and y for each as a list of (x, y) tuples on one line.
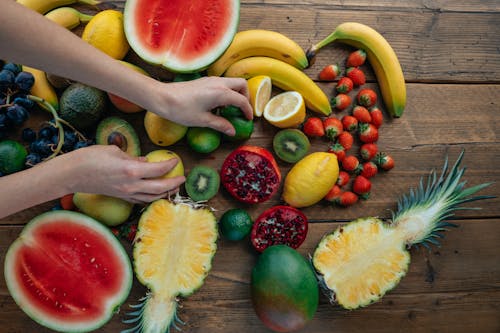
[(117, 131), (82, 106)]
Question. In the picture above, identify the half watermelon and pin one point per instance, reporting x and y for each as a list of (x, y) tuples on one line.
[(181, 35), (68, 272)]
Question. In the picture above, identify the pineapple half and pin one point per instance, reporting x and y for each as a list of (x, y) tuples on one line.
[(359, 262), (173, 251)]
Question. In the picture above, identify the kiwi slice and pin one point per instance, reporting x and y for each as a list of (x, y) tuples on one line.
[(291, 145), (202, 183)]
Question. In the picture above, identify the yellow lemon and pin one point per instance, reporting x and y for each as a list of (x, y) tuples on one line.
[(105, 32), (260, 88), (310, 179), (285, 110), (164, 155), (163, 132)]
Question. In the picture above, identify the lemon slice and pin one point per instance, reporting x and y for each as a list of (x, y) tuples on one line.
[(259, 88), (285, 110)]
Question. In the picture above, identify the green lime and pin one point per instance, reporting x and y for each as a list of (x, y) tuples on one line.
[(12, 156), (231, 111), (235, 224), (243, 128), (203, 139)]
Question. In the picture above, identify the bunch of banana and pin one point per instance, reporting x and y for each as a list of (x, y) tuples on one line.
[(68, 17), (284, 76), (258, 42), (42, 88), (381, 56), (43, 6)]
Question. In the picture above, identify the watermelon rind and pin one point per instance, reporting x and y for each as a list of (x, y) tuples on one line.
[(169, 60), (26, 237)]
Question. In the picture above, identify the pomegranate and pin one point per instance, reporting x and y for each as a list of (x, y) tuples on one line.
[(250, 174), (279, 225)]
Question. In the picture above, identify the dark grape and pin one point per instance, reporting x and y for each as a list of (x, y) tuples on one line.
[(47, 132), (6, 79), (12, 67), (42, 146), (17, 114), (81, 144), (69, 141), (28, 135), (32, 159), (24, 80), (4, 122), (24, 102)]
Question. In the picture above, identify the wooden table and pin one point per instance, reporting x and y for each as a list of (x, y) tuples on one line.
[(450, 54)]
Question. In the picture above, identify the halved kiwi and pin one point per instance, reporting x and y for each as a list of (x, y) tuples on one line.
[(202, 183), (291, 145)]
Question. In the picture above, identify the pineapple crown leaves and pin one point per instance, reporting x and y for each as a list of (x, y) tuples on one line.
[(421, 213)]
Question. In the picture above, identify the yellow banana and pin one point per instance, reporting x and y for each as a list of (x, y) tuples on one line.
[(67, 17), (42, 87), (43, 6), (258, 42), (381, 56), (283, 76)]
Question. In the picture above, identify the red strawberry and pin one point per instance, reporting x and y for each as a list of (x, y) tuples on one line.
[(333, 127), (368, 151), (344, 85), (346, 140), (356, 58), (129, 233), (368, 133), (66, 202), (347, 198), (313, 127), (356, 75), (384, 161), (366, 97), (362, 186), (338, 150), (377, 116), (361, 114), (350, 163), (341, 101), (343, 178), (329, 73), (370, 169), (334, 194), (350, 123)]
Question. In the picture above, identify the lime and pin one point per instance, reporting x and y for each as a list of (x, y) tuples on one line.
[(203, 139), (12, 156), (235, 224)]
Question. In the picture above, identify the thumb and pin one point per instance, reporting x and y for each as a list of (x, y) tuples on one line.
[(220, 124)]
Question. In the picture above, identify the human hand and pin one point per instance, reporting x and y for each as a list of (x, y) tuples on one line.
[(107, 170)]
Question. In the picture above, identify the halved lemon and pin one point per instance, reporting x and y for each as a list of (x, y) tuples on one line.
[(285, 110), (260, 88)]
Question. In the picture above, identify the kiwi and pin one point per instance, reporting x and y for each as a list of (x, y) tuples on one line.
[(202, 183), (117, 131), (291, 145)]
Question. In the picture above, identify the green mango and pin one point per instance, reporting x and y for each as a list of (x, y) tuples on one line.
[(105, 209)]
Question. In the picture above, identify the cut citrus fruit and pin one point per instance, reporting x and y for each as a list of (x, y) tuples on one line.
[(260, 88), (285, 110)]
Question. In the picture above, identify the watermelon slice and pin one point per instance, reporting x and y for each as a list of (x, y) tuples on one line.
[(181, 35), (68, 272)]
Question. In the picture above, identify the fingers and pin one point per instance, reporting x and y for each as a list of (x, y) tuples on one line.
[(153, 189), (238, 84), (238, 96), (152, 169), (218, 123)]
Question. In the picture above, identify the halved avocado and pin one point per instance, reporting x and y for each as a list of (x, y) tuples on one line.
[(117, 131)]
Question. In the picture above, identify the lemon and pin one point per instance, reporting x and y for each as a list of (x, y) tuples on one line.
[(105, 31), (163, 132), (285, 110), (164, 155), (310, 179), (260, 88)]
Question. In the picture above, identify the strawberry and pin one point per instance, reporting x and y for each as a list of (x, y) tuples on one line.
[(313, 127), (361, 114), (368, 133), (377, 116), (66, 202), (356, 58), (368, 151), (366, 97), (384, 161), (333, 127), (370, 169), (346, 140), (350, 163), (129, 232), (344, 85), (350, 123), (356, 75), (343, 178), (347, 198), (329, 73), (334, 194), (341, 101), (338, 150), (362, 186)]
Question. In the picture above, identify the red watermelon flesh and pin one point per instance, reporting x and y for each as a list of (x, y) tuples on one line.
[(68, 272)]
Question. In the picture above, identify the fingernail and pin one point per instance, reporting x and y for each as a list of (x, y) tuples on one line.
[(230, 132)]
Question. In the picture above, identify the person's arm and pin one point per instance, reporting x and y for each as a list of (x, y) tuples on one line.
[(30, 39)]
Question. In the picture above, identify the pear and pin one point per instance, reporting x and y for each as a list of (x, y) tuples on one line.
[(105, 209)]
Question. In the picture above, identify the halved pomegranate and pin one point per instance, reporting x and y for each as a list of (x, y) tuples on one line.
[(250, 174), (279, 225)]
